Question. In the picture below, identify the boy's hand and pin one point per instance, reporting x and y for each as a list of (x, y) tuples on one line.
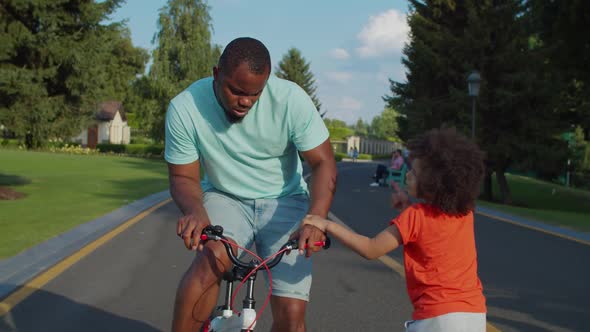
[(312, 230), (316, 221), (399, 198), (308, 234)]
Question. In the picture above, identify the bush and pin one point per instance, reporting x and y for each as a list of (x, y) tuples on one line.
[(9, 143), (580, 179), (140, 150), (113, 148), (71, 149), (145, 149), (339, 155), (141, 140)]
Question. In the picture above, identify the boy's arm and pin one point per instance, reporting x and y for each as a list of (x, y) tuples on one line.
[(399, 199), (370, 248)]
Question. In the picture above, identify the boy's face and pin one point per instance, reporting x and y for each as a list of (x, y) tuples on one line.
[(411, 178)]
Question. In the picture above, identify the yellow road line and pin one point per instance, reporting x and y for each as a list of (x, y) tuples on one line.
[(22, 293), (539, 229), (398, 268)]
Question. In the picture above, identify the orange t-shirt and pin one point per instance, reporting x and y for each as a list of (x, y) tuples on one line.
[(440, 262)]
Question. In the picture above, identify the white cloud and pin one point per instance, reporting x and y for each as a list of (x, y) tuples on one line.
[(339, 76), (384, 34), (339, 53)]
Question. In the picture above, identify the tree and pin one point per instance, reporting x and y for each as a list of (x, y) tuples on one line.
[(385, 126), (448, 40), (183, 54), (57, 62), (295, 68), (556, 27), (360, 128), (338, 129)]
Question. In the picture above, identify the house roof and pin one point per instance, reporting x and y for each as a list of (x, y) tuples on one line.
[(108, 109)]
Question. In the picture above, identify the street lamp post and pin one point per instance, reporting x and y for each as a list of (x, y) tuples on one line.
[(473, 81)]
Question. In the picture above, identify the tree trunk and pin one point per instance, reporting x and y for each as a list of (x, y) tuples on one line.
[(487, 187), (488, 194), (505, 195)]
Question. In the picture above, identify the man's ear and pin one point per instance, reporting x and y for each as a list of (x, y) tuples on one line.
[(215, 72)]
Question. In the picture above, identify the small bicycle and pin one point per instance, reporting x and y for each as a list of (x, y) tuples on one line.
[(244, 321)]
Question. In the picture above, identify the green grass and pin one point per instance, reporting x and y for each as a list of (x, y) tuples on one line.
[(64, 191), (546, 202)]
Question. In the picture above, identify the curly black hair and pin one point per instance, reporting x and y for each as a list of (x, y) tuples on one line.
[(245, 49), (451, 168)]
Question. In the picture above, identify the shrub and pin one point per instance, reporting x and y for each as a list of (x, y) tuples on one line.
[(339, 155), (114, 148), (71, 149), (580, 179)]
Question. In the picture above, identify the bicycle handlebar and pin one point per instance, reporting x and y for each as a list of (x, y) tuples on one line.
[(216, 233)]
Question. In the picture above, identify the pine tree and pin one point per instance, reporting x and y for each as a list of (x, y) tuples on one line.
[(184, 54), (558, 30), (58, 60), (295, 68), (448, 40)]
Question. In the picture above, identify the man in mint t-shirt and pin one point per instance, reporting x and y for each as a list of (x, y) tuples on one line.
[(245, 127)]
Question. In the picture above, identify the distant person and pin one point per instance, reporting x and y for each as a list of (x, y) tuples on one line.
[(244, 128), (355, 154), (437, 234), (350, 152), (406, 156), (396, 163)]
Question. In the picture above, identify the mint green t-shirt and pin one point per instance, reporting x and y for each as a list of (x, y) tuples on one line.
[(251, 159)]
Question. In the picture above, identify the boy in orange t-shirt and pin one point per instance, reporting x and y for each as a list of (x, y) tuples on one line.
[(440, 259)]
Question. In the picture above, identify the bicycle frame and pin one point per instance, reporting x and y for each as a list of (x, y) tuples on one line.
[(246, 320)]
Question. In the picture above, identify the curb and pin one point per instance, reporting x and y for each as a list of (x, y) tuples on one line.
[(18, 270), (536, 225)]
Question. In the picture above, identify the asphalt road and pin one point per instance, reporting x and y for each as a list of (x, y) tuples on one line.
[(533, 281)]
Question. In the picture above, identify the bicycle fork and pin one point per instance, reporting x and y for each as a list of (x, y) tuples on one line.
[(228, 322)]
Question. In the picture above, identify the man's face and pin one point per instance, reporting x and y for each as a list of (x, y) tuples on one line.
[(237, 92)]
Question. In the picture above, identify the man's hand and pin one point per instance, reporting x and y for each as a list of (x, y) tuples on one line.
[(309, 235), (189, 228), (399, 198)]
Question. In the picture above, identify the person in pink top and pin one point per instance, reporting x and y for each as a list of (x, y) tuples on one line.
[(397, 161), (396, 164), (437, 234)]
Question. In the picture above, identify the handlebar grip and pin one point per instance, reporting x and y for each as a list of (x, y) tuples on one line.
[(325, 244)]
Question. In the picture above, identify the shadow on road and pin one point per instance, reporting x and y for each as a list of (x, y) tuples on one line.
[(53, 312)]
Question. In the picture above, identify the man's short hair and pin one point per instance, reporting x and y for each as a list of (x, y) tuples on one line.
[(248, 50)]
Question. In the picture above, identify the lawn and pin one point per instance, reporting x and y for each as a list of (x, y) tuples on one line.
[(546, 202), (63, 191)]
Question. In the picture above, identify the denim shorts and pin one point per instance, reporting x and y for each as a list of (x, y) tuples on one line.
[(267, 223), (454, 321)]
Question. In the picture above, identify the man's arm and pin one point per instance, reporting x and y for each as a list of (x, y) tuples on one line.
[(322, 188), (185, 188), (323, 178)]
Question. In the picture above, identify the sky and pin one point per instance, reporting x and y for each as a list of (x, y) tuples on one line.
[(354, 47)]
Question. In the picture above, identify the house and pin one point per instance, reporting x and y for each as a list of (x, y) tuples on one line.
[(110, 127)]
